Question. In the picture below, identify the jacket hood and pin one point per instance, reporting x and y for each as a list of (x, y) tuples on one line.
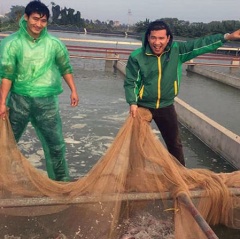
[(23, 29)]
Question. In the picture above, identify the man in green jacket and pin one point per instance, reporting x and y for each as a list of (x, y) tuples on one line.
[(32, 64), (153, 76)]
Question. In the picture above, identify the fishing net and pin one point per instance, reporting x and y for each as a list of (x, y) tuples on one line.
[(136, 190)]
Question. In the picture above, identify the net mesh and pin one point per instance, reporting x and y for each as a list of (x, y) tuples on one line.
[(136, 190)]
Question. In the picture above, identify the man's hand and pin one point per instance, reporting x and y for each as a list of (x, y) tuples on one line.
[(71, 84), (5, 87), (133, 110), (3, 111), (74, 99), (233, 36)]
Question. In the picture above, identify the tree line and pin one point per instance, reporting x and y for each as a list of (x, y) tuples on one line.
[(68, 18), (187, 29)]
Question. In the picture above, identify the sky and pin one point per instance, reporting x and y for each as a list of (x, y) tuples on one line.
[(132, 11)]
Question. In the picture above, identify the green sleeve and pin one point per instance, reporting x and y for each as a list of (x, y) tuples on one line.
[(63, 60), (132, 83), (8, 60), (193, 48)]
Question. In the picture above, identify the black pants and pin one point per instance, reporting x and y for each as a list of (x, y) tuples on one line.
[(167, 123)]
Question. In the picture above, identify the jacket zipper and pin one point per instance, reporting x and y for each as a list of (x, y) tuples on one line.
[(159, 81)]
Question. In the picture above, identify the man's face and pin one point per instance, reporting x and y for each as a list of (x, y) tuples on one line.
[(35, 24), (158, 41)]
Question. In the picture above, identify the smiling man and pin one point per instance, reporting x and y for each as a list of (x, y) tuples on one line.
[(32, 64), (153, 76), (35, 24)]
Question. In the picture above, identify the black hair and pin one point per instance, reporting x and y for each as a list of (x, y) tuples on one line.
[(158, 25), (37, 7)]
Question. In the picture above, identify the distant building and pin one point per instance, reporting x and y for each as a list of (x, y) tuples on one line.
[(116, 23)]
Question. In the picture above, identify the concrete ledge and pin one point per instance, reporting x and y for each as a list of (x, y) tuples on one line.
[(214, 75), (121, 66), (219, 139)]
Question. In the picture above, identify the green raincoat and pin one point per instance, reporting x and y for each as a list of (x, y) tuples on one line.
[(35, 66)]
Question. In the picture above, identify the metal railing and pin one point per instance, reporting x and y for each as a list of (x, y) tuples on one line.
[(122, 54), (116, 53)]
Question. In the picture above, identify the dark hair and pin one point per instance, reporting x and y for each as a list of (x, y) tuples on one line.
[(158, 25), (37, 7)]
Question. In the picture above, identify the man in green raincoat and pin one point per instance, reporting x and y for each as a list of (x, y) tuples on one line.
[(32, 64)]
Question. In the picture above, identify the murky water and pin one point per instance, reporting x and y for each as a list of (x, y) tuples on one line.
[(90, 128), (218, 101)]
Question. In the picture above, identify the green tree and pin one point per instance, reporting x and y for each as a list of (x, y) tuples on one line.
[(55, 13), (16, 12), (66, 16), (141, 26)]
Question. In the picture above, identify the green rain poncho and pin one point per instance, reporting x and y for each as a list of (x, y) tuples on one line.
[(36, 66)]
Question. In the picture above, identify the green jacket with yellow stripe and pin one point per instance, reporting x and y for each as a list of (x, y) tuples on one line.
[(153, 81)]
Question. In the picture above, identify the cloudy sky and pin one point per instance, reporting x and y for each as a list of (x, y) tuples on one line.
[(132, 11)]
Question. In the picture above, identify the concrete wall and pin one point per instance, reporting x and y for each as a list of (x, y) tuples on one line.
[(121, 66), (214, 75), (218, 138)]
